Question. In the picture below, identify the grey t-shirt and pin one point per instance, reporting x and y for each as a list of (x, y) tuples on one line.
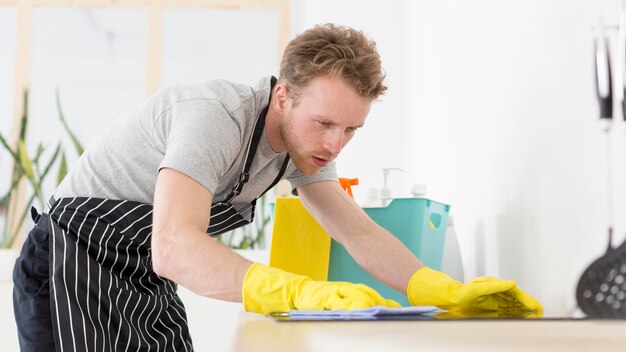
[(201, 130)]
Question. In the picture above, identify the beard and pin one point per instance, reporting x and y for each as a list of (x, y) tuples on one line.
[(301, 159)]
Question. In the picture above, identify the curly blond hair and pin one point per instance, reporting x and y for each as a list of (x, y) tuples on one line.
[(336, 51)]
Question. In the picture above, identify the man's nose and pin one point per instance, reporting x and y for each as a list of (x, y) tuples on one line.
[(334, 141)]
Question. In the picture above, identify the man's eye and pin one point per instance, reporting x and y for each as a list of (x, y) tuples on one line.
[(352, 129), (323, 123)]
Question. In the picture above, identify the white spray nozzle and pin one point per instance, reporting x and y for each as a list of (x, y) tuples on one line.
[(386, 173), (385, 191)]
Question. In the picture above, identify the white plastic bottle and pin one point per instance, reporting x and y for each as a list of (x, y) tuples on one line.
[(385, 191), (418, 190), (452, 262), (372, 199)]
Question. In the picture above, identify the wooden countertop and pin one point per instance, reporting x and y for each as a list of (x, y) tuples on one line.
[(258, 333)]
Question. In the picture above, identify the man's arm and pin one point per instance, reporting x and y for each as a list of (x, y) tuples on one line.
[(181, 249), (375, 249)]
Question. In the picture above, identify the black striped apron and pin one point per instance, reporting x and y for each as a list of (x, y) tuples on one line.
[(104, 294)]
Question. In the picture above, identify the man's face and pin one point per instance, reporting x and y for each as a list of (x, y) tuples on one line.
[(323, 121)]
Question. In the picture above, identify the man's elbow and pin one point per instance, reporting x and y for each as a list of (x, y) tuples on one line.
[(163, 254)]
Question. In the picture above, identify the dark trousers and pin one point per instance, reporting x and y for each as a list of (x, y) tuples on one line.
[(31, 290)]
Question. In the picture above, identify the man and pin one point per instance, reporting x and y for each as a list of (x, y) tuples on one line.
[(130, 221)]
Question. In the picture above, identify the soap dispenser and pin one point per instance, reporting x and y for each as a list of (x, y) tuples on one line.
[(452, 262), (385, 191)]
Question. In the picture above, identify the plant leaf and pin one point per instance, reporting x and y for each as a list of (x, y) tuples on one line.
[(18, 171), (24, 120), (62, 168), (13, 236), (77, 145), (50, 163), (4, 201), (27, 167), (40, 150), (25, 161), (8, 148)]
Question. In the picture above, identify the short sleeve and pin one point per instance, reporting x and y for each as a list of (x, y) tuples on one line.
[(297, 178), (202, 140)]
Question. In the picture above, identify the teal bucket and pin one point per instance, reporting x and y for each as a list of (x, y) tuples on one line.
[(419, 223)]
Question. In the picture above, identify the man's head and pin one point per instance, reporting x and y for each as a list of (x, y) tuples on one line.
[(336, 51), (328, 79)]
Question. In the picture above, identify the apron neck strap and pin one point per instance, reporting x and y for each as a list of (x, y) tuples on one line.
[(283, 168), (253, 143)]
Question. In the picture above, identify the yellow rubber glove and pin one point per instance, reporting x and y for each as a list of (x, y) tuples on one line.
[(271, 290), (461, 313), (431, 287)]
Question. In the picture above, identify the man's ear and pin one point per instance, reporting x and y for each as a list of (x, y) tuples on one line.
[(281, 96)]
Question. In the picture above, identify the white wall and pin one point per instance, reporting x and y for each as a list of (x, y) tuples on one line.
[(506, 130)]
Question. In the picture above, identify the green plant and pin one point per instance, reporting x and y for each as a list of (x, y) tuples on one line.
[(34, 169)]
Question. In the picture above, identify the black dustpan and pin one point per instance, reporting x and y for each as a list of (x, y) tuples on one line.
[(601, 291)]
